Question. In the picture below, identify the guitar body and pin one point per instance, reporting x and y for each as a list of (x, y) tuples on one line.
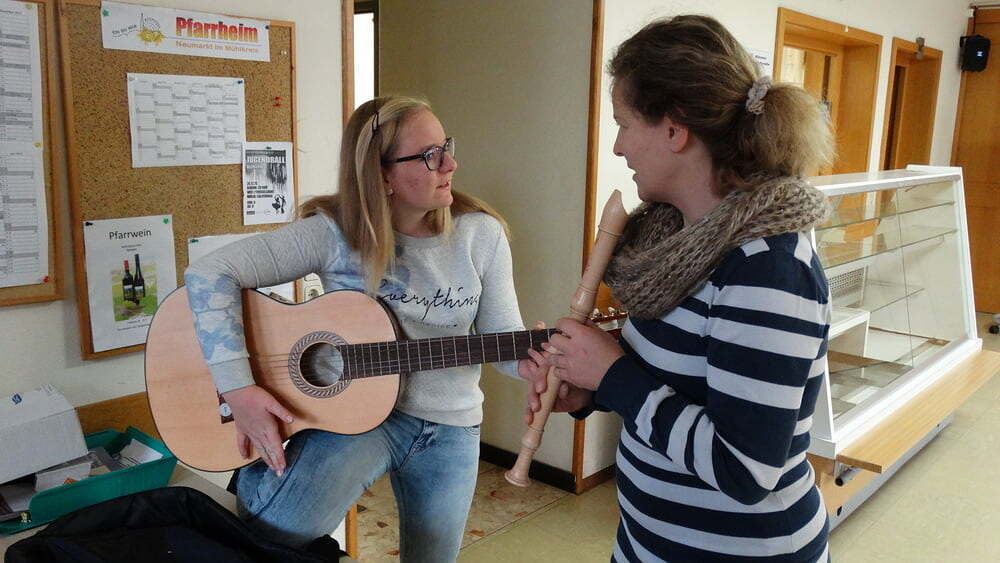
[(188, 411)]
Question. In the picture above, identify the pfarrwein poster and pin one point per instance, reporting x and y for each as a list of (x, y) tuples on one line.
[(181, 32), (130, 270), (268, 190)]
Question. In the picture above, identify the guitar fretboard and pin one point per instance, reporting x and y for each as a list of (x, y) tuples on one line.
[(406, 356)]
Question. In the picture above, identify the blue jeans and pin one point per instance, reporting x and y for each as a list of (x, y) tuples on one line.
[(432, 467)]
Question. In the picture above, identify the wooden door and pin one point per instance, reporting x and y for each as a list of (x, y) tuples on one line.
[(977, 150), (909, 119), (849, 77)]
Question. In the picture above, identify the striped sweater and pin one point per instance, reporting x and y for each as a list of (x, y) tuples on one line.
[(717, 399)]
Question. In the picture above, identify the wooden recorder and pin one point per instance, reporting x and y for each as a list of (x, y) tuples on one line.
[(612, 224)]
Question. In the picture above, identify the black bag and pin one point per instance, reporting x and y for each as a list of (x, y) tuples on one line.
[(172, 524)]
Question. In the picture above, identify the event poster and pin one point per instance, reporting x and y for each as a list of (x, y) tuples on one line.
[(268, 190), (201, 246), (180, 32), (130, 270)]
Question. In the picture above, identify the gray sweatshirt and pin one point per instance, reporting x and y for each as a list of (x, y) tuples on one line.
[(445, 285)]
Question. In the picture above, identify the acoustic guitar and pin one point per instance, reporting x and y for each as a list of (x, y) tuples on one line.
[(335, 362)]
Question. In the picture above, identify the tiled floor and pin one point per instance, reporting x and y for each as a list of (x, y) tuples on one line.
[(942, 506), (496, 504)]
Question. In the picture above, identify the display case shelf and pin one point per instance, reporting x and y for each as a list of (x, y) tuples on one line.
[(878, 295), (838, 253), (902, 304), (844, 319), (845, 217), (853, 379)]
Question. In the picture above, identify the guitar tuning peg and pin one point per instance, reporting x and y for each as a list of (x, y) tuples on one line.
[(595, 314)]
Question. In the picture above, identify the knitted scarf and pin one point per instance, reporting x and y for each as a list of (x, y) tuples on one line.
[(657, 263)]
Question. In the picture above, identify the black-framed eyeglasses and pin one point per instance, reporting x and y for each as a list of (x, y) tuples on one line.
[(434, 156)]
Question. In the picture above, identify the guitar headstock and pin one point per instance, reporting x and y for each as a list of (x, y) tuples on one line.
[(610, 320)]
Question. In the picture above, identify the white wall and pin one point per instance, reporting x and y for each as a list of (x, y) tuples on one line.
[(509, 80), (40, 342), (940, 22)]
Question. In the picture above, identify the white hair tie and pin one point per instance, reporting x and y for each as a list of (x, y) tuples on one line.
[(755, 97)]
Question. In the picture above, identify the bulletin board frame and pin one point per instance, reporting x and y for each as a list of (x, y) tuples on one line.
[(52, 289), (203, 200)]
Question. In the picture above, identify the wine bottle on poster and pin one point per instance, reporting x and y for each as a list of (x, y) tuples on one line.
[(138, 284), (128, 287)]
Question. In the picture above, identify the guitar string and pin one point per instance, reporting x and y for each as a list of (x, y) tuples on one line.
[(372, 367), (372, 350), (366, 353), (368, 363), (548, 332), (392, 367), (432, 361), (438, 363)]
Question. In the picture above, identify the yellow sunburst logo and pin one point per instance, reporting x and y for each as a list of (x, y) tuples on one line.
[(151, 36), (150, 30)]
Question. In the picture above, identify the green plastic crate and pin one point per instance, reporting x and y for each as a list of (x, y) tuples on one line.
[(48, 505)]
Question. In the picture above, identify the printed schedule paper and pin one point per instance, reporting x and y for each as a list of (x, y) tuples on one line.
[(24, 229), (186, 120)]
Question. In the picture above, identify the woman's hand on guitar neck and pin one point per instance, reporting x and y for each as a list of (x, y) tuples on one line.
[(569, 398), (257, 413), (535, 371), (586, 353)]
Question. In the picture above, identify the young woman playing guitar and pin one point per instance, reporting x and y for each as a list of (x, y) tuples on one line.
[(441, 261)]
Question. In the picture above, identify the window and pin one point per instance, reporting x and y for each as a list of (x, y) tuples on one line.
[(365, 51)]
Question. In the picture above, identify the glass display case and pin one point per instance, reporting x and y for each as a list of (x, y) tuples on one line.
[(896, 254)]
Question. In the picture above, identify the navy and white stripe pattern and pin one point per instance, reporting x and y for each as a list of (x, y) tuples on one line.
[(717, 399)]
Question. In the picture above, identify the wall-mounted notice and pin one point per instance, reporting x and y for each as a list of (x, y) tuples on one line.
[(186, 120), (24, 228), (180, 32), (24, 234), (130, 270), (200, 246), (764, 59), (268, 191)]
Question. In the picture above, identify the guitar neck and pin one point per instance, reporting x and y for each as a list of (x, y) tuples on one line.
[(405, 356)]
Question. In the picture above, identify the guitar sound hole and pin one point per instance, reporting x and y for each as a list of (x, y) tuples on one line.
[(321, 364)]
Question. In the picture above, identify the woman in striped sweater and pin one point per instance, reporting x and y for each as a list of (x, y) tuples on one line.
[(717, 371)]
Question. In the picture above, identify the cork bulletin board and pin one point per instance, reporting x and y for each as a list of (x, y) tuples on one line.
[(51, 289), (204, 200)]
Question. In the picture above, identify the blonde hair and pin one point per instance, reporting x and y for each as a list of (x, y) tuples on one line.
[(361, 206), (692, 70)]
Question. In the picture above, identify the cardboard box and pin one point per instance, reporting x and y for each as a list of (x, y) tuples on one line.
[(56, 476), (53, 503), (14, 499), (38, 429)]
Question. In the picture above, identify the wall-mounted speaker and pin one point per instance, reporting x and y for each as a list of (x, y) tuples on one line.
[(975, 52)]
